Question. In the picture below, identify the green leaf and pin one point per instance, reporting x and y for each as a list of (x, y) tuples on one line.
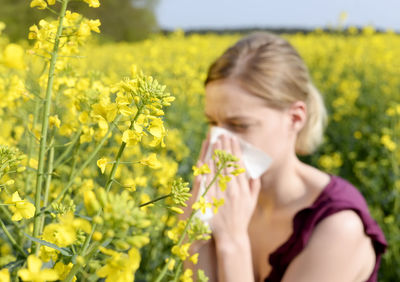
[(63, 251)]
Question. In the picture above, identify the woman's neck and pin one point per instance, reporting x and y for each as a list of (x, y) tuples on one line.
[(290, 186)]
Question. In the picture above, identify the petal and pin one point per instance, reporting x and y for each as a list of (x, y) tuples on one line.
[(25, 274), (34, 264), (49, 275)]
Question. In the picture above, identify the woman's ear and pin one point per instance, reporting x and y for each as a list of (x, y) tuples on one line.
[(298, 115)]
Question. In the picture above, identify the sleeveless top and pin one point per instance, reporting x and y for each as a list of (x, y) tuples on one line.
[(337, 196)]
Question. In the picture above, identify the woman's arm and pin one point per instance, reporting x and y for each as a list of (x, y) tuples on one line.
[(234, 259), (207, 260), (338, 250)]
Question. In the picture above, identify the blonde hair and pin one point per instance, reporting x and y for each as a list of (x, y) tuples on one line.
[(268, 66)]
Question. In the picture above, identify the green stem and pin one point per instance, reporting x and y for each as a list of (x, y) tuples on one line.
[(10, 237), (8, 216), (77, 266), (30, 147), (178, 271), (45, 124), (68, 150), (47, 185), (165, 268), (155, 200)]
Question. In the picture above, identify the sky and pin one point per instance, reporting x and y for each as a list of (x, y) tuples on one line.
[(221, 14)]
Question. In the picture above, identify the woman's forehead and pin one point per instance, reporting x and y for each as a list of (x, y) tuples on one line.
[(231, 100)]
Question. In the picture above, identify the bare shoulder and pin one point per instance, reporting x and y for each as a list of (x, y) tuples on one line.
[(346, 224), (338, 250)]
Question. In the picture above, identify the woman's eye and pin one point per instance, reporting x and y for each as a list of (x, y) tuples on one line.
[(240, 126), (210, 122)]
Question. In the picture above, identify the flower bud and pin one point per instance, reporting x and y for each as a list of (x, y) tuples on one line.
[(98, 220), (97, 236), (122, 245), (21, 169), (80, 260), (138, 241), (90, 201), (110, 233)]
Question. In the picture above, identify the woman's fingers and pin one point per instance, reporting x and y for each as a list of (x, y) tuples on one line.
[(237, 151)]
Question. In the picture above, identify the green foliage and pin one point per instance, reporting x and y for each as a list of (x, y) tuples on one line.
[(121, 20)]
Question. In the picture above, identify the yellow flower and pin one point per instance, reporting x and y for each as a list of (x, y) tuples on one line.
[(64, 233), (238, 171), (217, 203), (93, 3), (97, 236), (222, 181), (54, 121), (131, 137), (63, 270), (120, 267), (202, 205), (175, 233), (34, 273), (187, 276), (177, 210), (101, 163), (51, 2), (20, 208), (60, 235), (151, 161), (138, 241), (194, 258), (46, 254), (94, 25), (171, 263), (388, 142), (90, 202), (13, 56), (106, 111), (4, 275), (156, 128), (181, 251), (204, 169), (41, 4)]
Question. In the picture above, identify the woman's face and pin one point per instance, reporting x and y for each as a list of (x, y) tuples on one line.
[(229, 106)]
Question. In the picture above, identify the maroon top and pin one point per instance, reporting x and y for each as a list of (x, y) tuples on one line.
[(338, 195)]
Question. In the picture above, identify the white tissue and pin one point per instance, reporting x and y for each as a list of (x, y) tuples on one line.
[(256, 162)]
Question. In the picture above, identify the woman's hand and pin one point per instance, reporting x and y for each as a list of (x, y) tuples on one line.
[(196, 183), (232, 219)]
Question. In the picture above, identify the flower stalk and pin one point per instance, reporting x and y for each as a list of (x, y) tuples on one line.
[(165, 268), (45, 125)]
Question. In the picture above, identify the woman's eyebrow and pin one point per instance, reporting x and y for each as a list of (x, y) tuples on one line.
[(238, 118), (230, 118)]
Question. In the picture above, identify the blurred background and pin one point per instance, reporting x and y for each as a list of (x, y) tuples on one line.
[(351, 48), (131, 20)]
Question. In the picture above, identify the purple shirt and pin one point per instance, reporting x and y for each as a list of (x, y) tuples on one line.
[(337, 196)]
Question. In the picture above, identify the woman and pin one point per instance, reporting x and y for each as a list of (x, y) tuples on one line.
[(295, 223)]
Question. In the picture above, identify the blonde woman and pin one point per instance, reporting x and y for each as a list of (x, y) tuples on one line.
[(296, 222)]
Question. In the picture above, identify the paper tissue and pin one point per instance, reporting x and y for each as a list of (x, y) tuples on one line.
[(256, 162)]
